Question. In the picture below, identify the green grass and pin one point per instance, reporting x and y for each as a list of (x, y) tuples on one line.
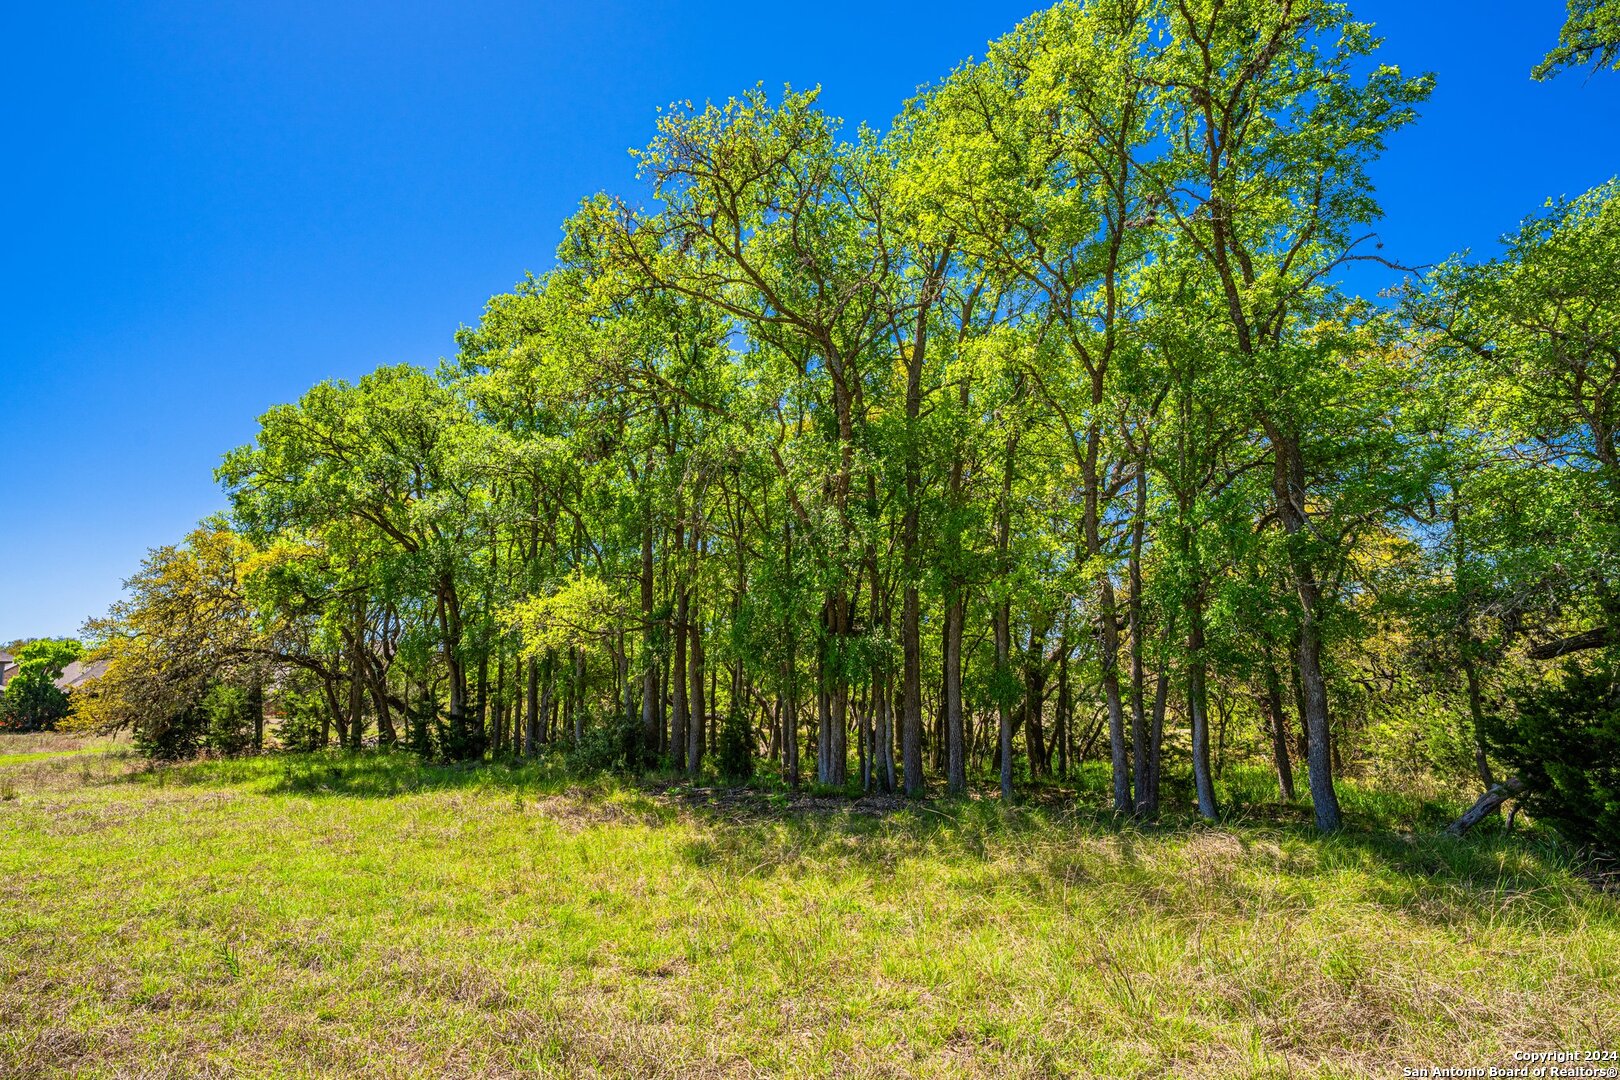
[(365, 915)]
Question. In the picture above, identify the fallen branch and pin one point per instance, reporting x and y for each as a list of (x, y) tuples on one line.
[(1486, 805)]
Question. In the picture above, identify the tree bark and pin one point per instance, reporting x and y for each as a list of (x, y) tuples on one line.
[(531, 719), (955, 748), (1198, 706), (1278, 720), (695, 727), (1486, 805)]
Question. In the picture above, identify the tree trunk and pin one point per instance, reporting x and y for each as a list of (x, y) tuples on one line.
[(1003, 627), (1003, 632), (955, 750), (1476, 712), (1288, 483), (695, 727), (678, 734), (531, 718), (256, 711), (1486, 805), (1118, 761), (911, 689), (1324, 798), (1278, 720), (1198, 706), (1064, 705), (1034, 696)]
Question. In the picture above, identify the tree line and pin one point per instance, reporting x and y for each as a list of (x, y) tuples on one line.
[(1040, 428)]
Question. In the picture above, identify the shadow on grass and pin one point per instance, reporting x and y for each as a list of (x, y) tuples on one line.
[(368, 774), (1392, 854)]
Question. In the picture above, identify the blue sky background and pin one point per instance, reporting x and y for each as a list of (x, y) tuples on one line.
[(207, 208)]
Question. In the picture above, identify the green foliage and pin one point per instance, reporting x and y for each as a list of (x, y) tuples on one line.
[(32, 701), (303, 720), (610, 745), (1564, 745), (172, 736), (736, 749), (229, 712), (1590, 37)]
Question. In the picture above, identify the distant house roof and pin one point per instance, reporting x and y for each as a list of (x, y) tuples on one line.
[(73, 676), (78, 673)]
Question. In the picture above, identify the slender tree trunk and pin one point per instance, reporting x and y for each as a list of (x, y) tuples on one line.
[(839, 707), (911, 691), (1065, 707), (334, 710), (955, 759), (377, 681), (1198, 706), (481, 710), (1278, 720), (1476, 713), (678, 733), (1003, 627), (1034, 696), (695, 728), (1146, 804), (256, 711), (531, 719), (1161, 699)]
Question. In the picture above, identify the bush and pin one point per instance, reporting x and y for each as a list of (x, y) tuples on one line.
[(600, 749), (229, 715), (612, 745), (302, 721), (222, 721), (736, 750), (420, 716), (172, 737), (1564, 744)]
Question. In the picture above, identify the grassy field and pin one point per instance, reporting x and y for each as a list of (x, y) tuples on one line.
[(367, 916)]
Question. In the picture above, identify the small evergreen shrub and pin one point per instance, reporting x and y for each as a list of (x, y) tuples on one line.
[(173, 737), (1564, 744), (229, 719), (736, 750), (600, 749), (303, 719)]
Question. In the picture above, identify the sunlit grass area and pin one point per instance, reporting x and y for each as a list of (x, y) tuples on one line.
[(347, 915)]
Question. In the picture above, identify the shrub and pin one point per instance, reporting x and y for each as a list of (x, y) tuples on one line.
[(613, 744), (172, 736), (599, 749), (736, 750), (302, 721), (229, 715), (420, 720), (1564, 744)]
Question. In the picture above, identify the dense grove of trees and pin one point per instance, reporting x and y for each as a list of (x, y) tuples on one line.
[(1038, 429)]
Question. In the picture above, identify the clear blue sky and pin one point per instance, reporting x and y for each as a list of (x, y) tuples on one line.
[(208, 207)]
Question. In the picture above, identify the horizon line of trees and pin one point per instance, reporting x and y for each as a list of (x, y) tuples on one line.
[(1036, 429)]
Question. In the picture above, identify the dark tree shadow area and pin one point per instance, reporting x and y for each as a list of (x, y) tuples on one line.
[(1058, 834)]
